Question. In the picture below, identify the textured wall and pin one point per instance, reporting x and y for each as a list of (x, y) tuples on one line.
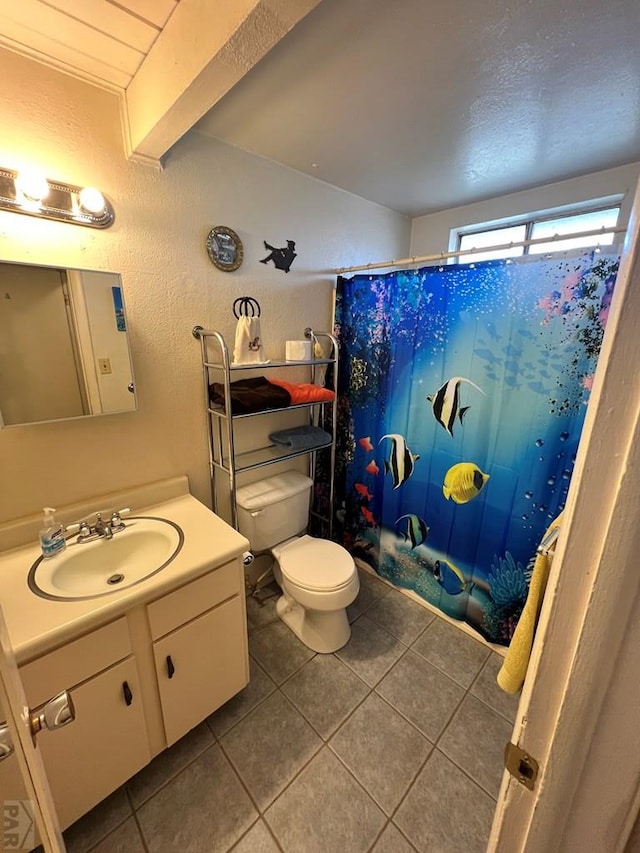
[(72, 131)]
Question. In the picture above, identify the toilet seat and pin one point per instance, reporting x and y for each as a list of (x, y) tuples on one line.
[(317, 565)]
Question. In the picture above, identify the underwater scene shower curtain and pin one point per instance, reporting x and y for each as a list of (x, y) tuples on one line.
[(462, 395)]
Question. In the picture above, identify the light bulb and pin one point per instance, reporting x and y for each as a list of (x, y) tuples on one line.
[(33, 186), (92, 200)]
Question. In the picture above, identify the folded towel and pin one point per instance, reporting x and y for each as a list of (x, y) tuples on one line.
[(513, 670), (250, 395), (301, 438), (305, 392), (248, 347)]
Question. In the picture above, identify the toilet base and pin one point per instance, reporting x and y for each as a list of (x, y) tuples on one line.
[(322, 631)]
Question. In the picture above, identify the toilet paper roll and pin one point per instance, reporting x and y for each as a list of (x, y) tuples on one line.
[(247, 558), (298, 351)]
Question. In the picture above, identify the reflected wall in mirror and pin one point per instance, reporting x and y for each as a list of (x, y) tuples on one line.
[(64, 350)]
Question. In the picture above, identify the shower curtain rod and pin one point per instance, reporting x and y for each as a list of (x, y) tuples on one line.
[(444, 255)]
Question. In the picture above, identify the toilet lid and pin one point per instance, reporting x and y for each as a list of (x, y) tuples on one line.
[(316, 564)]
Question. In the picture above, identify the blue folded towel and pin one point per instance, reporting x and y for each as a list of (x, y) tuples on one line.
[(301, 438)]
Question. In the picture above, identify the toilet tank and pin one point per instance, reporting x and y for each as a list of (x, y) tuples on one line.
[(273, 510)]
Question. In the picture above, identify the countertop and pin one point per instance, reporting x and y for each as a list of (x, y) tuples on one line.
[(37, 625)]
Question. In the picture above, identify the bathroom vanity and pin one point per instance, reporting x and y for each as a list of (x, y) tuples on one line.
[(143, 665)]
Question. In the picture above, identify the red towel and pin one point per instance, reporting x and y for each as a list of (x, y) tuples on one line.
[(305, 392)]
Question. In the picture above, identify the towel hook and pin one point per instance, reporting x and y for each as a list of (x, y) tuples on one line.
[(245, 304), (548, 542)]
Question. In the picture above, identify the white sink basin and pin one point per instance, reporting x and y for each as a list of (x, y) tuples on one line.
[(105, 566)]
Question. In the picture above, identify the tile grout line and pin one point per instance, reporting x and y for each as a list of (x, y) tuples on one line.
[(134, 815), (435, 743), (260, 811), (140, 832), (244, 716), (486, 704), (104, 837), (342, 722), (436, 746), (437, 666), (379, 835), (408, 647), (386, 672), (389, 823), (324, 743), (259, 819), (174, 775), (291, 674), (442, 733), (237, 774), (372, 691)]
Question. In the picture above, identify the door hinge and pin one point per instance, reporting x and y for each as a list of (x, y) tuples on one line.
[(521, 765)]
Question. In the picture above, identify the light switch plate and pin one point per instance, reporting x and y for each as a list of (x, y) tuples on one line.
[(104, 365)]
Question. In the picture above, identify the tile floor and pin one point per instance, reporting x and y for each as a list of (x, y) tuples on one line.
[(391, 745)]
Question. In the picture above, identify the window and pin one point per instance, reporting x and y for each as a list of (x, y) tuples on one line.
[(535, 229)]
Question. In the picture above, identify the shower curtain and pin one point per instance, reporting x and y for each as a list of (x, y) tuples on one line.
[(462, 395)]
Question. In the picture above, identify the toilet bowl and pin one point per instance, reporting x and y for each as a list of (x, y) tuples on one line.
[(319, 581), (318, 578)]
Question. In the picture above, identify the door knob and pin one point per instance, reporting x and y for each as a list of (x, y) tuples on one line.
[(57, 712), (6, 742), (54, 715)]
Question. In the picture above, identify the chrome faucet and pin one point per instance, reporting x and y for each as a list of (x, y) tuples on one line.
[(100, 529)]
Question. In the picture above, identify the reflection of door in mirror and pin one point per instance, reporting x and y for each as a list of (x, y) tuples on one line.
[(63, 349), (104, 350)]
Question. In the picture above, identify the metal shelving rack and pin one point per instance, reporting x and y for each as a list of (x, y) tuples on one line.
[(223, 459)]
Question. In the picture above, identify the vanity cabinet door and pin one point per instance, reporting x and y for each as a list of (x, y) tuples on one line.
[(11, 784), (105, 744), (200, 666)]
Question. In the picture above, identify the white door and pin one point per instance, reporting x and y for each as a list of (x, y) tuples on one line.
[(579, 714), (29, 393), (21, 817)]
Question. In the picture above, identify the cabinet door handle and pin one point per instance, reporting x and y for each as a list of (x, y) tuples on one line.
[(170, 667), (128, 695)]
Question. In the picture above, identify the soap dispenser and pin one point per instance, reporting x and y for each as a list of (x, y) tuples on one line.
[(52, 539)]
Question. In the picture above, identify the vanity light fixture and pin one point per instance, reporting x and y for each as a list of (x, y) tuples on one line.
[(35, 195), (92, 201), (32, 186)]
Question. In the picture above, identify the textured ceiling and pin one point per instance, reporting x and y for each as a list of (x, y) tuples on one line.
[(422, 106)]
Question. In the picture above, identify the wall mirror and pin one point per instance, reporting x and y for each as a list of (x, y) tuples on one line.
[(64, 350), (224, 248)]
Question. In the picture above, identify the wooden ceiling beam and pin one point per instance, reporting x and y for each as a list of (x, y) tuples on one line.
[(203, 51)]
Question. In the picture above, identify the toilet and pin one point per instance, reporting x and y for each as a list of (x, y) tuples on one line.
[(318, 578)]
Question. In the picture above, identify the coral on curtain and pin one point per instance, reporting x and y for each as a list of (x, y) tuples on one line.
[(462, 396)]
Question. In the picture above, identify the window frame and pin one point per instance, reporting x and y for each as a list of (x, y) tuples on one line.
[(529, 221)]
